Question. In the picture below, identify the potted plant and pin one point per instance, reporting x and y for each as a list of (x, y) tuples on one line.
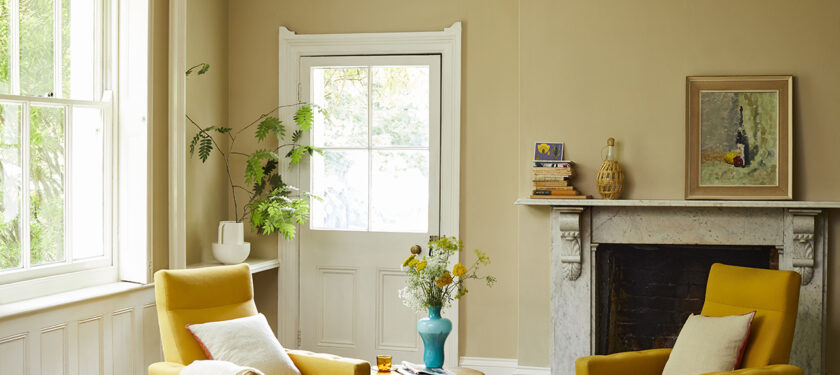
[(272, 205), (432, 286)]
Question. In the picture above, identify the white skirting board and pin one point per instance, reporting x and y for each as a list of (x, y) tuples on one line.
[(502, 366)]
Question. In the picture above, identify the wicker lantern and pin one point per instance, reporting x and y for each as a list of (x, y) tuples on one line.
[(610, 180)]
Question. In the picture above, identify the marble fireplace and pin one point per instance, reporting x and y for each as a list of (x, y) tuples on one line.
[(788, 235)]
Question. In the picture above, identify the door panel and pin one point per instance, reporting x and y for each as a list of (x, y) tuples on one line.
[(378, 185)]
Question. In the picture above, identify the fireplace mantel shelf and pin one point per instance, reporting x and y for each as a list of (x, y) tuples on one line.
[(671, 203)]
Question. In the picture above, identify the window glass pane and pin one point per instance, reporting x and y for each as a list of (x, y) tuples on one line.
[(46, 184), (400, 105), (340, 179), (77, 49), (10, 186), (342, 95), (86, 183), (5, 51), (400, 191), (36, 47)]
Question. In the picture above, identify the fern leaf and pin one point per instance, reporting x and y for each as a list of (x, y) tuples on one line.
[(296, 135), (270, 124), (304, 117), (194, 142), (254, 172), (222, 130), (205, 146)]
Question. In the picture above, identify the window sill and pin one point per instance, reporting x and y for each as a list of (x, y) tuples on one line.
[(29, 306)]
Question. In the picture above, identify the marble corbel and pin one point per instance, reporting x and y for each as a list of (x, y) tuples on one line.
[(565, 239), (803, 242)]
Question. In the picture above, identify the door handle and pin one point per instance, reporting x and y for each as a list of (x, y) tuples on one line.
[(416, 249)]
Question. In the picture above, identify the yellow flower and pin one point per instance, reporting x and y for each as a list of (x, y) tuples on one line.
[(421, 266), (444, 280), (408, 260), (543, 148), (459, 270), (413, 263)]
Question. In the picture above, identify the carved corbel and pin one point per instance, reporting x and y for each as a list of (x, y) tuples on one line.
[(566, 241), (803, 243)]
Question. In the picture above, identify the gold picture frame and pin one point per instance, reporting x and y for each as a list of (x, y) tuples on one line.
[(739, 137)]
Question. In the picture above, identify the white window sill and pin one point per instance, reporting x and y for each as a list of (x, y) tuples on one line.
[(29, 306)]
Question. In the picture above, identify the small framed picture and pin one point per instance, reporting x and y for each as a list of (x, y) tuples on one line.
[(739, 137), (548, 152)]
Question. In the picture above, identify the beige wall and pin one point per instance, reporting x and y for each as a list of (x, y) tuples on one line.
[(488, 317), (160, 135), (578, 71), (207, 103), (597, 69)]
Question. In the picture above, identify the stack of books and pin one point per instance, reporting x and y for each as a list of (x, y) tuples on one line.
[(552, 180)]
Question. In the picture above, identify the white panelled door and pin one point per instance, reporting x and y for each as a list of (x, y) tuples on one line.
[(379, 183)]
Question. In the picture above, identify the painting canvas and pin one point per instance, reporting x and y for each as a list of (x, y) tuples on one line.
[(548, 151), (738, 137)]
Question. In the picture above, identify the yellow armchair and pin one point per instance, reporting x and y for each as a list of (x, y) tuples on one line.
[(773, 295), (213, 294)]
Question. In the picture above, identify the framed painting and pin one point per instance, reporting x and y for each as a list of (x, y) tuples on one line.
[(738, 137)]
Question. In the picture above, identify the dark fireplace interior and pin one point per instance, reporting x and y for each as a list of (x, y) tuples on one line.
[(646, 292)]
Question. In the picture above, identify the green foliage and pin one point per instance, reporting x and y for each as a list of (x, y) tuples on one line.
[(271, 125), (201, 69), (271, 206), (304, 117)]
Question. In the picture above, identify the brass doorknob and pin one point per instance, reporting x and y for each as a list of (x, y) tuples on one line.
[(416, 249)]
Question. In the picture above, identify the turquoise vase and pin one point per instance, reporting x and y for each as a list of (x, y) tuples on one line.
[(434, 331)]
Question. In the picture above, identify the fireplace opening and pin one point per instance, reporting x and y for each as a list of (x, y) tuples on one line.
[(646, 292)]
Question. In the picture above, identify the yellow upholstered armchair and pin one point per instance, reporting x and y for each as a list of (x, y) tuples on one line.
[(214, 294), (773, 295)]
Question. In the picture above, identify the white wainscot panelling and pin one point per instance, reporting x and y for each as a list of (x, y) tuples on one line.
[(112, 335), (338, 307), (395, 323)]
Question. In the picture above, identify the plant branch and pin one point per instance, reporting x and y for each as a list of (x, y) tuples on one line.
[(263, 116), (225, 157)]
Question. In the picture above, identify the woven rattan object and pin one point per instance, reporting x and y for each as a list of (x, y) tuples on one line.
[(610, 180)]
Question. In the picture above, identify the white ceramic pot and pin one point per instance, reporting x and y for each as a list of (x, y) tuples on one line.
[(231, 248)]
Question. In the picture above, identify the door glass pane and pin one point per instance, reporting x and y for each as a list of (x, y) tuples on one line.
[(400, 191), (86, 183), (46, 184), (400, 101), (36, 47), (10, 186), (5, 51), (77, 49), (342, 95), (340, 179)]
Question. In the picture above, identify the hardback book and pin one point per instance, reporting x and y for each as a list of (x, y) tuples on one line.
[(553, 171), (554, 192), (560, 197), (553, 177), (563, 184), (553, 164)]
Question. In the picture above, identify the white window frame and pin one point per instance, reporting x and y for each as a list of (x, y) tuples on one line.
[(447, 43), (26, 283)]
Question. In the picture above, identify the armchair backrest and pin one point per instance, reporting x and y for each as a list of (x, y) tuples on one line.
[(199, 296), (773, 295)]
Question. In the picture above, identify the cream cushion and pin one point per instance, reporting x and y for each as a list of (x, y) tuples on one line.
[(709, 344), (246, 342)]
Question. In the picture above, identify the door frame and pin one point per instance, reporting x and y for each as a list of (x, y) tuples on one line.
[(447, 43)]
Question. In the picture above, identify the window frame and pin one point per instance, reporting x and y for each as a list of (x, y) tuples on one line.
[(114, 23)]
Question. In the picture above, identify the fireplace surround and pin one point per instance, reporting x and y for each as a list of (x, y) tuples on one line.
[(795, 231)]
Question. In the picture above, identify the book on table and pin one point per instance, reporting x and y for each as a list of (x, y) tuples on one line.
[(408, 368)]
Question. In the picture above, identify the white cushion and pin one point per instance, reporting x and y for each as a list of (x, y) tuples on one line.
[(246, 342), (709, 344)]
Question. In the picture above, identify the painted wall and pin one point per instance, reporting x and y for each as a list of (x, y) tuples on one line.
[(207, 104), (489, 117), (610, 68)]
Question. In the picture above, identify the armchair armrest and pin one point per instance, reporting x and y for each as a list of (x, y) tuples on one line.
[(646, 362), (165, 368), (766, 370), (310, 363)]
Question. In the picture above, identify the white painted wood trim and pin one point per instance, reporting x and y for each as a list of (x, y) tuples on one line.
[(501, 366), (177, 133), (447, 43)]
